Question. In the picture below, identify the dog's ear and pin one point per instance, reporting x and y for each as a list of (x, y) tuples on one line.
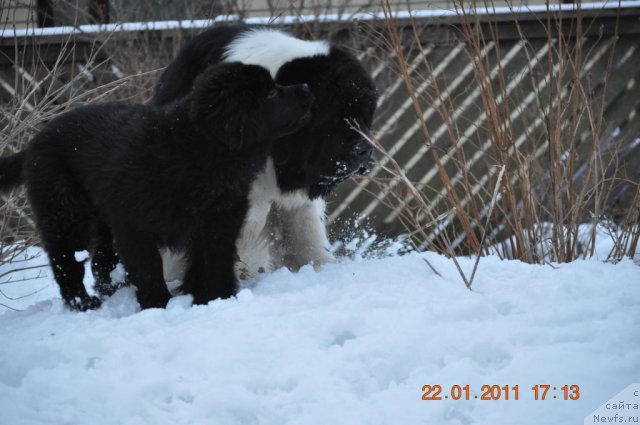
[(210, 93), (228, 98)]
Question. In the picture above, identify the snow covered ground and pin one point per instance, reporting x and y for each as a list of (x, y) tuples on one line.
[(352, 343)]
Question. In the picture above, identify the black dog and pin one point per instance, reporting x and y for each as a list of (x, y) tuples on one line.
[(150, 177), (286, 226)]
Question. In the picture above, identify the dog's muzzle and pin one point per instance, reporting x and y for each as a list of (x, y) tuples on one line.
[(362, 154)]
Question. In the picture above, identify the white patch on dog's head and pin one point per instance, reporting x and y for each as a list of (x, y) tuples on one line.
[(271, 48)]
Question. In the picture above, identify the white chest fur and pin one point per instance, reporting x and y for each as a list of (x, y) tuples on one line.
[(280, 229)]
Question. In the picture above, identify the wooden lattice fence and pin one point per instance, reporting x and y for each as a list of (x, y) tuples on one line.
[(43, 75)]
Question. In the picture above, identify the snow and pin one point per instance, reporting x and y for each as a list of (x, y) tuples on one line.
[(323, 17), (351, 343)]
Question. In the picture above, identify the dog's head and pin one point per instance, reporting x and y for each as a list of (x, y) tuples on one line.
[(243, 100), (331, 148)]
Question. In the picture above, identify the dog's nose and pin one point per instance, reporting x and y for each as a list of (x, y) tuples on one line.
[(305, 94), (304, 88), (363, 149)]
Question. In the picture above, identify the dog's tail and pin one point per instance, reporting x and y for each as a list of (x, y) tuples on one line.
[(11, 171)]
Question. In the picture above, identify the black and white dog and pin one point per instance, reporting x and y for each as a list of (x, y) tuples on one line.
[(285, 224), (148, 177)]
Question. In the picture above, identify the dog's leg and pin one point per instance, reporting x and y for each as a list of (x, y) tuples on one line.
[(63, 215), (69, 274), (143, 266), (104, 260), (304, 235), (210, 274), (254, 254), (63, 235), (173, 264)]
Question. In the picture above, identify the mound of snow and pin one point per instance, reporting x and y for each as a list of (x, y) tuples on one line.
[(352, 343)]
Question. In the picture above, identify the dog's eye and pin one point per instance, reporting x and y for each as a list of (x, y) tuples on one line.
[(272, 93)]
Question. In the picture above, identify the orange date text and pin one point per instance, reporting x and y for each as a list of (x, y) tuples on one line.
[(500, 392)]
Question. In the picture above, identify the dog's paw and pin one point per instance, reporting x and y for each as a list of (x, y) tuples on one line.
[(317, 259), (321, 258), (105, 289), (204, 297), (154, 301), (84, 303)]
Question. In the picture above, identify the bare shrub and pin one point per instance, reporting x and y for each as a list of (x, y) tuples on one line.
[(563, 163)]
